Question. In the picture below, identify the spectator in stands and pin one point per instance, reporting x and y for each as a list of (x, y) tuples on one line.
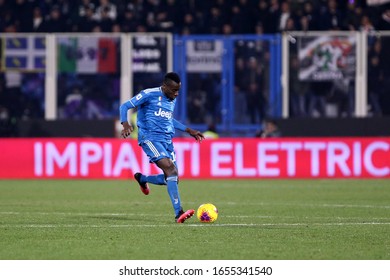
[(353, 16), (384, 22), (7, 127), (261, 15), (225, 7), (87, 22), (129, 22), (214, 21), (290, 25), (33, 96), (73, 108), (366, 24), (84, 6), (211, 132), (23, 16), (196, 101), (240, 106), (255, 103), (241, 21), (375, 76), (285, 15), (297, 91), (106, 7), (4, 6), (13, 94), (106, 22), (67, 9), (7, 19), (368, 27), (318, 94), (227, 29), (151, 21), (116, 28), (272, 24), (38, 22), (55, 23), (139, 11), (385, 62), (168, 16), (189, 25), (331, 18), (2, 93), (304, 23), (270, 130), (309, 17), (375, 84), (97, 29)]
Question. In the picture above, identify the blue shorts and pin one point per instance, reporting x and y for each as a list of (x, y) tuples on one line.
[(156, 150)]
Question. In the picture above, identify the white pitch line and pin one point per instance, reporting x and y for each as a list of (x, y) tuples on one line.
[(82, 214), (300, 205), (312, 205), (191, 225), (167, 215), (86, 214), (128, 214)]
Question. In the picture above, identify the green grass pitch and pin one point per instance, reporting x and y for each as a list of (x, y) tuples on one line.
[(258, 219)]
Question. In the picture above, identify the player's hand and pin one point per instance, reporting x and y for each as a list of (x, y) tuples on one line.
[(127, 129), (199, 137)]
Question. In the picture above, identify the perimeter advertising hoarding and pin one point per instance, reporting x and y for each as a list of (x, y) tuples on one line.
[(105, 158)]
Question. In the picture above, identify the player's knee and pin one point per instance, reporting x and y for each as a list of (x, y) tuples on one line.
[(171, 169), (168, 167)]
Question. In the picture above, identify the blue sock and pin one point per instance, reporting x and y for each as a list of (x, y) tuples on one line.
[(154, 179), (173, 192)]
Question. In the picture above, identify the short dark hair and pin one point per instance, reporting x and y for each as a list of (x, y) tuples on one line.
[(172, 76), (271, 121)]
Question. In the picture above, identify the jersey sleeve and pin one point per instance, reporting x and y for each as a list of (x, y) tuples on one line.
[(135, 101), (178, 125)]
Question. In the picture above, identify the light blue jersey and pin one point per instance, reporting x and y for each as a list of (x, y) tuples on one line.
[(155, 115), (156, 127)]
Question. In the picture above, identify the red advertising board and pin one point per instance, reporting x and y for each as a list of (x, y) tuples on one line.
[(222, 158)]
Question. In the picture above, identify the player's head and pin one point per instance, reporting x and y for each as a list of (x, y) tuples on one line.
[(171, 85)]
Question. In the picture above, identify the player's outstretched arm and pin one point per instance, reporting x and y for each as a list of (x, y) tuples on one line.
[(127, 128), (194, 133)]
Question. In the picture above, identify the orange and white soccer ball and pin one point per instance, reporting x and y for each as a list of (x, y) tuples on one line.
[(207, 213)]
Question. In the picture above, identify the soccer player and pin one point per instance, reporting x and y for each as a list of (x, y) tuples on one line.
[(156, 127)]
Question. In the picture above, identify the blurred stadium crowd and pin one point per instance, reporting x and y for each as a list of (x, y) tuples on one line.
[(191, 16), (22, 95)]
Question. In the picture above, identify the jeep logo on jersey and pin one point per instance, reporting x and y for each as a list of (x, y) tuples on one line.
[(163, 114)]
